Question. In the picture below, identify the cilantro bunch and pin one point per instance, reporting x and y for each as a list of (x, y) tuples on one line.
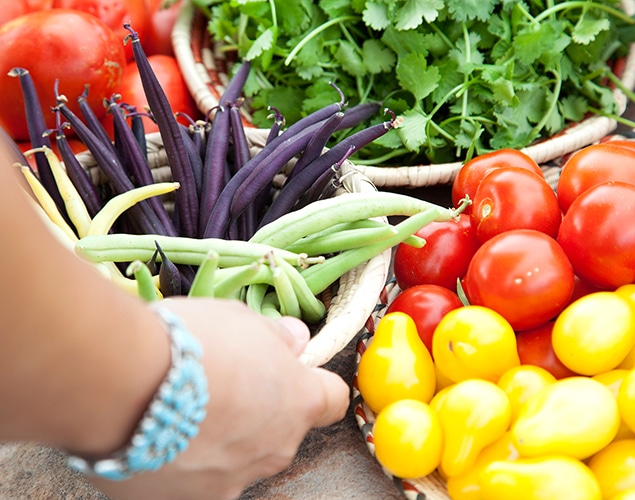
[(465, 76)]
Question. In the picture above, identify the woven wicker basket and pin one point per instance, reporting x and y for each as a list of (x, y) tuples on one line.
[(431, 487), (204, 67), (349, 302)]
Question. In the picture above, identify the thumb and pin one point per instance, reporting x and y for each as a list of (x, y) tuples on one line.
[(335, 397), (295, 333)]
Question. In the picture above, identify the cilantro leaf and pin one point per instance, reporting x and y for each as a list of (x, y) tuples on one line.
[(412, 129), (377, 57), (350, 59), (464, 10), (587, 28), (574, 107), (411, 14), (406, 42), (415, 76), (376, 15)]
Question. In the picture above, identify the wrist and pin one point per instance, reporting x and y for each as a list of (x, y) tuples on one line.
[(170, 420), (130, 372)]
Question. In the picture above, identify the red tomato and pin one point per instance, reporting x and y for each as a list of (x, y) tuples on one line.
[(114, 13), (469, 177), (442, 260), (581, 288), (16, 8), (162, 16), (522, 274), (535, 348), (598, 235), (167, 71), (68, 45), (593, 165), (426, 305), (514, 198)]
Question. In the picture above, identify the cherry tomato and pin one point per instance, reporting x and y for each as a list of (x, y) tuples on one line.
[(469, 177), (598, 235), (586, 342), (426, 305), (474, 342), (444, 258), (16, 8), (395, 365), (514, 198), (544, 423), (69, 45), (522, 274), (522, 382), (408, 438), (171, 79), (535, 348), (614, 467), (162, 16), (581, 288), (114, 13), (593, 165)]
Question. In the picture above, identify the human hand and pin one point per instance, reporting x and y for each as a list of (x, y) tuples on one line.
[(263, 401)]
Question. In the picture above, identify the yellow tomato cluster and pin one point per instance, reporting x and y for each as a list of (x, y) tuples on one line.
[(496, 429)]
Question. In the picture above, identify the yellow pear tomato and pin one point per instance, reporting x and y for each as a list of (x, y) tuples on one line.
[(614, 467), (629, 361), (613, 380), (466, 486), (574, 416), (549, 477), (473, 413), (474, 342), (522, 382), (625, 495), (595, 333), (396, 364), (628, 292), (626, 399), (408, 439)]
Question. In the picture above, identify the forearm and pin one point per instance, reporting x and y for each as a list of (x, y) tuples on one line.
[(80, 359)]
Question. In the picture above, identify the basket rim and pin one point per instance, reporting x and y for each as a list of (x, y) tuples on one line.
[(206, 82)]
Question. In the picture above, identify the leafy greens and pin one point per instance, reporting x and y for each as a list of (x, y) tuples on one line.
[(466, 76)]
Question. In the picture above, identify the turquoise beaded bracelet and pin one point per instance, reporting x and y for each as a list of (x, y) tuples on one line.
[(172, 418)]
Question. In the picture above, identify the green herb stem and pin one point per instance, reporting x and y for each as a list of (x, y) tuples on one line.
[(618, 83), (314, 33), (582, 4), (554, 101), (612, 116)]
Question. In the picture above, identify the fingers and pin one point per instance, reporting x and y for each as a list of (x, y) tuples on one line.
[(335, 396), (294, 333)]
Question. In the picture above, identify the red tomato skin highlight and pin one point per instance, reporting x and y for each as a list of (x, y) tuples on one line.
[(69, 45), (514, 198), (522, 274)]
